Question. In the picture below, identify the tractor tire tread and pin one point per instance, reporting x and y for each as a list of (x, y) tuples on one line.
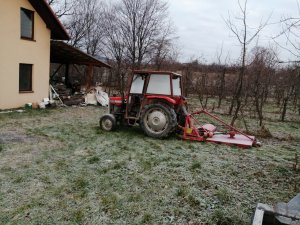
[(112, 118), (172, 120)]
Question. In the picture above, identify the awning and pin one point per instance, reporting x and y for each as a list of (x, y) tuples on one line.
[(64, 53)]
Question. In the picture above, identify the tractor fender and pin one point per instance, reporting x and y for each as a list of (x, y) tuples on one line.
[(166, 98)]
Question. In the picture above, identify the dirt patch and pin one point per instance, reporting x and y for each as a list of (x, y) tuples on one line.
[(11, 137)]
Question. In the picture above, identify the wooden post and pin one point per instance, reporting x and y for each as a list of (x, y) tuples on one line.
[(90, 75), (55, 72), (67, 80)]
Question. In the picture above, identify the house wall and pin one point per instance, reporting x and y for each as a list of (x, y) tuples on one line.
[(14, 50)]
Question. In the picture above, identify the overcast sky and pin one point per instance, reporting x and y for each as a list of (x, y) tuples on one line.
[(202, 30)]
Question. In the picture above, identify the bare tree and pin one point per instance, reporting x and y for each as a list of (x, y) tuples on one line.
[(141, 27), (141, 24), (61, 8), (261, 71), (188, 78), (200, 87), (287, 88), (136, 32), (291, 31), (162, 49), (85, 26), (131, 33), (243, 34), (114, 44), (221, 70)]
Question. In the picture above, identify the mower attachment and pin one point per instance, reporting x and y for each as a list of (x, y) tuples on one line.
[(193, 130)]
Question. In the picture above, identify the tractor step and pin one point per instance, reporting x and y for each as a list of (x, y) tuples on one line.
[(132, 118)]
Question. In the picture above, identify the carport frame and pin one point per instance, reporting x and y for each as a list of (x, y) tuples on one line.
[(65, 54)]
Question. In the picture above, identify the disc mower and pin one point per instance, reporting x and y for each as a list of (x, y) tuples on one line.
[(155, 102)]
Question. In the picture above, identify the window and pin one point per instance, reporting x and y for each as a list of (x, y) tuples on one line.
[(137, 84), (27, 24), (176, 86), (25, 77), (159, 84)]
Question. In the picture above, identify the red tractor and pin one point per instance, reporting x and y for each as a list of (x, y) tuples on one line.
[(155, 101)]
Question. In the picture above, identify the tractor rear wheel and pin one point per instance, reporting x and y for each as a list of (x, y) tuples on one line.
[(108, 122), (158, 120)]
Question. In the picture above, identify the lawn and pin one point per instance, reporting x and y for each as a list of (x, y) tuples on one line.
[(58, 167)]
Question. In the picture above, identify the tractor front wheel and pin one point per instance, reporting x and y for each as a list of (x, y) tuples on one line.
[(158, 120), (108, 122)]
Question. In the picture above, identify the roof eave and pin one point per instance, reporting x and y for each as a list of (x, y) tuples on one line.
[(57, 47), (58, 32), (156, 72)]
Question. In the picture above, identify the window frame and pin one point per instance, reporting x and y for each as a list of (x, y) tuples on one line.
[(29, 90), (180, 86), (32, 27), (134, 77), (168, 83)]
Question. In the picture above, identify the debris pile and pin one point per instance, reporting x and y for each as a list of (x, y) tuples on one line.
[(93, 96), (66, 96), (96, 95), (62, 90)]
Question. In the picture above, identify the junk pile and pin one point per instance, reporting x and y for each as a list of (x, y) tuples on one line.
[(64, 96), (45, 103), (96, 95), (279, 214)]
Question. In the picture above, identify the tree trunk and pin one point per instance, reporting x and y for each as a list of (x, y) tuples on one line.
[(259, 110), (237, 97), (231, 106), (236, 112), (222, 85), (206, 99), (283, 113), (239, 90)]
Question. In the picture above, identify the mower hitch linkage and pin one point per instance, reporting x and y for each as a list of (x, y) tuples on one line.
[(193, 130)]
